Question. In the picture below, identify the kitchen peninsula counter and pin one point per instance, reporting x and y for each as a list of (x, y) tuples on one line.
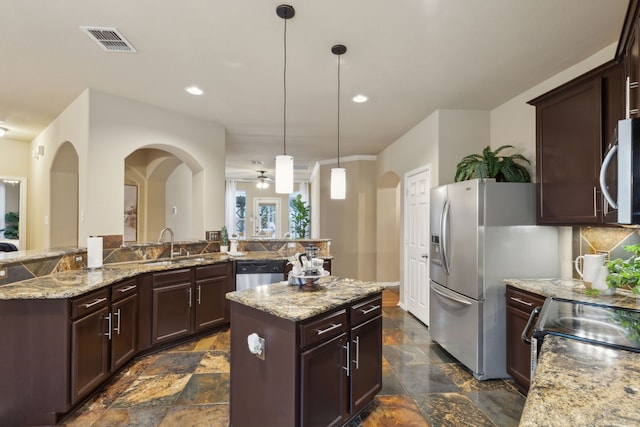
[(578, 383)]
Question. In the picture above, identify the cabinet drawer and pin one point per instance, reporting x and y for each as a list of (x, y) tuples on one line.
[(323, 328), (89, 303), (124, 289), (366, 310), (172, 276), (208, 271), (523, 300)]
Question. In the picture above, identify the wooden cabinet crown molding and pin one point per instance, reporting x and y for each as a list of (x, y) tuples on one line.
[(630, 20)]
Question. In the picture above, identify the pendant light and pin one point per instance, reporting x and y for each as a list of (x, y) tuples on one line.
[(284, 162), (338, 175)]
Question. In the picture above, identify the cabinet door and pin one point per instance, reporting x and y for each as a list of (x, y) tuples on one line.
[(324, 383), (520, 304), (211, 306), (366, 363), (172, 314), (124, 331), (569, 153), (89, 353)]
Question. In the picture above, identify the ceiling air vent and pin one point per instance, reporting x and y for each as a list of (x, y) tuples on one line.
[(109, 39)]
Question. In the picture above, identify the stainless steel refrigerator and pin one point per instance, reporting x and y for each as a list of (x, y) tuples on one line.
[(482, 232)]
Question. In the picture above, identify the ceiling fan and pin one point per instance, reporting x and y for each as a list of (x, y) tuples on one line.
[(263, 180)]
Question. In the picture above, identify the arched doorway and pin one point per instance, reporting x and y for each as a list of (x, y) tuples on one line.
[(64, 197), (163, 187)]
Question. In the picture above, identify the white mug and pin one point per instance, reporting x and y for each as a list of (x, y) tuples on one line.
[(600, 281), (591, 264)]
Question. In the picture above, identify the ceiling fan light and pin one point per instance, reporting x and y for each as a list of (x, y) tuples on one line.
[(338, 183), (284, 174)]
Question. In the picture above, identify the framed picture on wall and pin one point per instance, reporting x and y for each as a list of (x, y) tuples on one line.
[(130, 213)]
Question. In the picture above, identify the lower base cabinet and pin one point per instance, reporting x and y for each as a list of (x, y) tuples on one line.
[(63, 349), (520, 304), (317, 372)]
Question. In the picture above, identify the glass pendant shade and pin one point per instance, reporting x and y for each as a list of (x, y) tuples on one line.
[(284, 174), (338, 183)]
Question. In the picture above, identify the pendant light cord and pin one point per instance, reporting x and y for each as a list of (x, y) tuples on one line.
[(284, 78), (339, 59)]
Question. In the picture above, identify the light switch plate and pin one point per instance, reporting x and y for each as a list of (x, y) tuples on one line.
[(3, 272)]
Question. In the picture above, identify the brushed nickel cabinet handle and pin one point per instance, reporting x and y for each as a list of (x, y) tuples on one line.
[(373, 308), (521, 301), (91, 304), (330, 328)]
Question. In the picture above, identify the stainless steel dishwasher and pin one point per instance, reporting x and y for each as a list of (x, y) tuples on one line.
[(250, 274)]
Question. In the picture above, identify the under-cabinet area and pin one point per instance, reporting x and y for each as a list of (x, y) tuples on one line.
[(64, 348), (325, 362)]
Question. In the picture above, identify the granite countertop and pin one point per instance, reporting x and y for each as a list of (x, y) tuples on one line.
[(573, 289), (583, 384), (291, 303), (577, 383), (72, 283)]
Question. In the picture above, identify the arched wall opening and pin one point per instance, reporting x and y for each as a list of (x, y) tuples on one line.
[(165, 185), (64, 197)]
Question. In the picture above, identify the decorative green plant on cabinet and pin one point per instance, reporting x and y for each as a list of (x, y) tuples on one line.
[(490, 164)]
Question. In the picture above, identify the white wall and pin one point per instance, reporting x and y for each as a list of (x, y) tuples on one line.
[(104, 129), (178, 195)]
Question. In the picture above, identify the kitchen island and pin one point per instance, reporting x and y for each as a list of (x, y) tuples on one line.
[(303, 358), (578, 383)]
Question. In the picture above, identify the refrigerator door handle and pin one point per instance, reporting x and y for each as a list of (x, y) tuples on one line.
[(444, 235), (603, 174), (450, 297)]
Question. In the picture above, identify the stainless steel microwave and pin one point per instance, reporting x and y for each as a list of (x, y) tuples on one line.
[(620, 175)]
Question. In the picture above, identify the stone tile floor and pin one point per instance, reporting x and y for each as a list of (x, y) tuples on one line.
[(188, 385)]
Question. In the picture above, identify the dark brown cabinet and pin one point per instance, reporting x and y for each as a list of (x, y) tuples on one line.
[(172, 305), (187, 301), (104, 335), (328, 367), (212, 282), (520, 304), (89, 342), (574, 123)]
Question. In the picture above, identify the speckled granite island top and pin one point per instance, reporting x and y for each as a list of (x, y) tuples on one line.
[(581, 384), (289, 302)]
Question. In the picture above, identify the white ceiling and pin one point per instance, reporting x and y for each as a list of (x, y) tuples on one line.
[(410, 57)]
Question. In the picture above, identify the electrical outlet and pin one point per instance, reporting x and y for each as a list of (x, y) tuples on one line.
[(3, 272), (78, 258), (291, 245)]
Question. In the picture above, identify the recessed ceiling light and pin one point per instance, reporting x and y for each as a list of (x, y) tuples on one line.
[(194, 90), (3, 131), (360, 98)]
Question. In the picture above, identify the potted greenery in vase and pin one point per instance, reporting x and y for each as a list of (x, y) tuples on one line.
[(224, 239), (300, 216), (490, 164), (625, 273)]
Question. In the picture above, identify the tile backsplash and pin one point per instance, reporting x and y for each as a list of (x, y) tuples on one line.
[(608, 240)]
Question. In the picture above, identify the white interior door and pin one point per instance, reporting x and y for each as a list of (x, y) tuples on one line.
[(416, 229), (266, 214)]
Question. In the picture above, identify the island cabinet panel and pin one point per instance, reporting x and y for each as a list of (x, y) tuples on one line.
[(124, 331), (520, 304), (263, 391), (319, 371), (324, 383)]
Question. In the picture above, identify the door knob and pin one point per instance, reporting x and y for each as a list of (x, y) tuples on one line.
[(425, 256)]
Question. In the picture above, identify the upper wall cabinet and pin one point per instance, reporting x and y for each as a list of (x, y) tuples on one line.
[(574, 124), (628, 53)]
